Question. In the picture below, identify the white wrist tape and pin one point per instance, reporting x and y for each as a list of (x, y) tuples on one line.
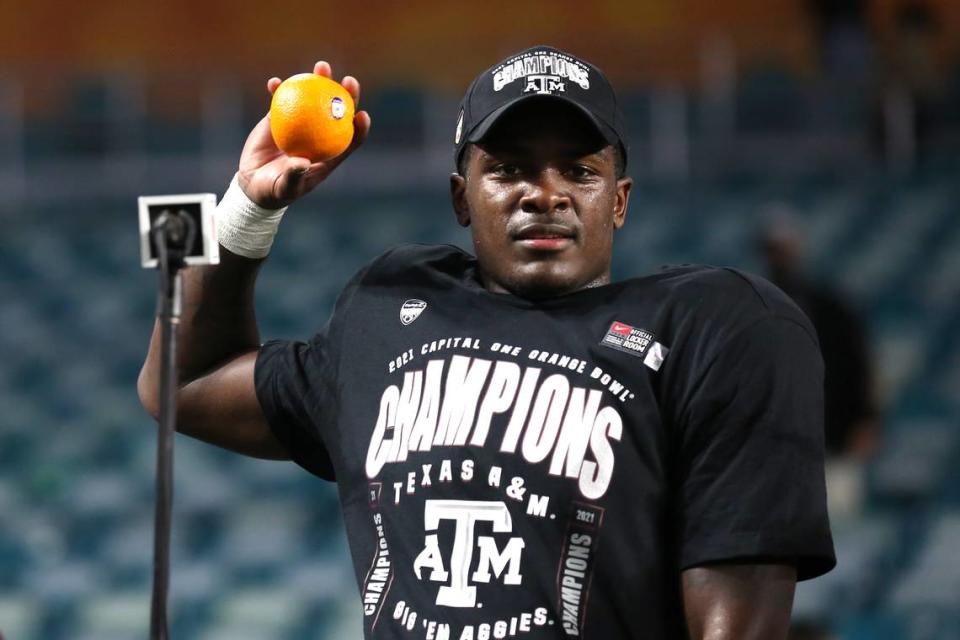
[(243, 226)]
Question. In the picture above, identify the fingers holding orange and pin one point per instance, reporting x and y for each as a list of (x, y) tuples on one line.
[(352, 85), (361, 124), (322, 68), (361, 119)]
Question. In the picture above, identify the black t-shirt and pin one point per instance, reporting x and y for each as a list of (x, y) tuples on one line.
[(519, 469)]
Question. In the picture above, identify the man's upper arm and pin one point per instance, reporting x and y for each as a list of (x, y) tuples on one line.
[(221, 408), (738, 601), (750, 464)]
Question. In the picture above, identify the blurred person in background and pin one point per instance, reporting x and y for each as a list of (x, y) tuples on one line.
[(851, 412)]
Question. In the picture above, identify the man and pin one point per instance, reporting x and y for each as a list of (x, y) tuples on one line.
[(850, 412), (522, 447)]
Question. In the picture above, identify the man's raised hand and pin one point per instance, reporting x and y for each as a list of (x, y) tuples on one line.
[(271, 178)]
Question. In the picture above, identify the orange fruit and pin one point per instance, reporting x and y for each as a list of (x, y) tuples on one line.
[(311, 117)]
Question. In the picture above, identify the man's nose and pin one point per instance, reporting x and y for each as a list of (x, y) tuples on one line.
[(545, 192)]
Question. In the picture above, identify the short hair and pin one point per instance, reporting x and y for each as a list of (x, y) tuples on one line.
[(619, 162)]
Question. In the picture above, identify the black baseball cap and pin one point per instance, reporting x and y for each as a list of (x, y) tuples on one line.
[(536, 73)]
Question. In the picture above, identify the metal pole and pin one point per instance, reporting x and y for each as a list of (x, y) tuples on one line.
[(172, 235)]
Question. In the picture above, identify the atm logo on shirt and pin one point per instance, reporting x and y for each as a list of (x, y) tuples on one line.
[(494, 562)]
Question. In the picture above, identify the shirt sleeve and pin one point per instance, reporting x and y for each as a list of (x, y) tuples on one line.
[(751, 480), (295, 388), (296, 385)]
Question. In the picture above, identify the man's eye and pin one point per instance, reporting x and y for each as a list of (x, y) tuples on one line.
[(507, 170), (581, 171)]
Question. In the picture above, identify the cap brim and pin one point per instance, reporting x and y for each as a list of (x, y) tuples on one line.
[(480, 131)]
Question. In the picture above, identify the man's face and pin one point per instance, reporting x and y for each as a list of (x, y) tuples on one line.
[(542, 197)]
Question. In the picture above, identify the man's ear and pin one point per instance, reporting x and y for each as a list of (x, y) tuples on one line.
[(458, 196), (620, 205)]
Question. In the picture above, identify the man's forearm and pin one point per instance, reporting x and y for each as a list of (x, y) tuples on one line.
[(739, 601), (217, 323)]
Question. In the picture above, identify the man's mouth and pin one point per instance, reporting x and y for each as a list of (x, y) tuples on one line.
[(545, 237)]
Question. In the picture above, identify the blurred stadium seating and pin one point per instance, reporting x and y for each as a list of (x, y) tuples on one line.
[(258, 548)]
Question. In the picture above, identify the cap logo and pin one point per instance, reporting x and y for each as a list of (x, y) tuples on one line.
[(544, 72), (459, 133), (544, 85)]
